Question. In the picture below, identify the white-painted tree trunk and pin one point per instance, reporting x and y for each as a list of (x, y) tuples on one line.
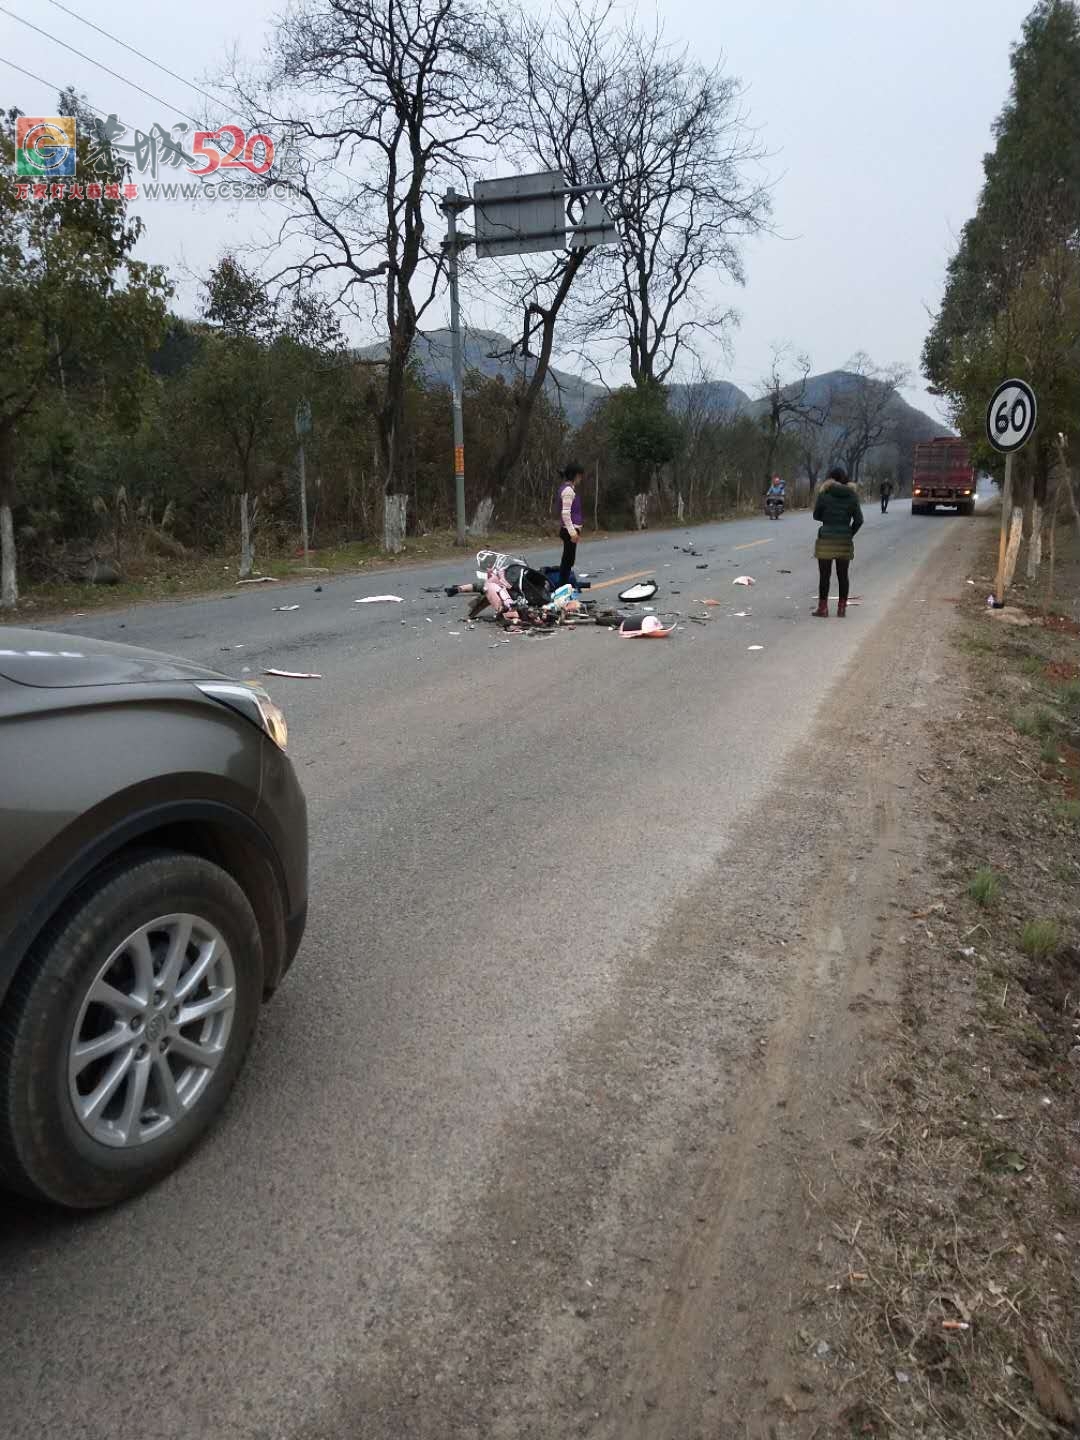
[(9, 583), (1035, 541), (1012, 547), (247, 544), (394, 510), (680, 508), (480, 523), (641, 510)]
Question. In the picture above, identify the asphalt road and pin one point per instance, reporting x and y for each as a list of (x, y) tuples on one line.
[(498, 830)]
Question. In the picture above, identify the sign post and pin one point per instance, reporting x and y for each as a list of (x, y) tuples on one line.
[(1010, 420), (516, 215), (303, 427), (452, 203)]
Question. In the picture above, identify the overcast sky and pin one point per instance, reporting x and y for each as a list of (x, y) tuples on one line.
[(876, 113)]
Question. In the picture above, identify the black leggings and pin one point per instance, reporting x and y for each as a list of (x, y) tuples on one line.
[(569, 555), (824, 575)]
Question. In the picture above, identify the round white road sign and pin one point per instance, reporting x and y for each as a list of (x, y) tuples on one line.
[(1010, 416)]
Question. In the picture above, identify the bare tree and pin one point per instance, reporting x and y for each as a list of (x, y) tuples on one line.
[(672, 139), (815, 437), (380, 104), (864, 408), (789, 406), (557, 73)]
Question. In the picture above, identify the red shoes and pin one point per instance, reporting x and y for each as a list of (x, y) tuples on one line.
[(841, 609), (822, 611)]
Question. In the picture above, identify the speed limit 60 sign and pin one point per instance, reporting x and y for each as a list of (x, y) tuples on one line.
[(1010, 416)]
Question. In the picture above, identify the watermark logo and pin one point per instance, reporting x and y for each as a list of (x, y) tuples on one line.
[(45, 146), (224, 164)]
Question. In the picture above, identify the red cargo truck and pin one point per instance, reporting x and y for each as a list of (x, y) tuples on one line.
[(943, 475)]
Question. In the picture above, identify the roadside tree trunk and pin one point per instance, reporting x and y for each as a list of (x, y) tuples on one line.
[(9, 587), (1012, 548), (480, 523), (1035, 541), (394, 510), (247, 546), (641, 510), (680, 508)]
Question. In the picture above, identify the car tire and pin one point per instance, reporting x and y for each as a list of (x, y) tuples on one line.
[(47, 1150)]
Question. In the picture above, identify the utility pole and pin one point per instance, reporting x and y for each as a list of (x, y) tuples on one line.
[(519, 215), (452, 203), (303, 427)]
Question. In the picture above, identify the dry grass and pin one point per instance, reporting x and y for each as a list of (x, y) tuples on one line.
[(958, 1228), (161, 577)]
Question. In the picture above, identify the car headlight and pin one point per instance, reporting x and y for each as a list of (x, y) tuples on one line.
[(254, 704)]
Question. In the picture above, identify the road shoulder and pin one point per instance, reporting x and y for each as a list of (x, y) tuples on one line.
[(666, 1243)]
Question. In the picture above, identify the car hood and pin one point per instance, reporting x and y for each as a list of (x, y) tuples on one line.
[(58, 662)]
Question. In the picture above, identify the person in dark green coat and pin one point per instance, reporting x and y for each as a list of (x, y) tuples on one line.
[(838, 509)]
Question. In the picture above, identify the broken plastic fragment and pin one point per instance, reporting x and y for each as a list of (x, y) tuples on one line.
[(375, 599), (643, 590), (755, 647), (294, 674), (744, 580), (281, 609), (645, 627)]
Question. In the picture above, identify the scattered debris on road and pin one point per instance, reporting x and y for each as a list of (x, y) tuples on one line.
[(294, 674), (259, 580), (378, 599), (282, 609), (649, 627), (643, 590), (744, 580)]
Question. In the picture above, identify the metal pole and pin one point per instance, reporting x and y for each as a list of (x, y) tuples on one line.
[(303, 504), (458, 367), (1006, 520)]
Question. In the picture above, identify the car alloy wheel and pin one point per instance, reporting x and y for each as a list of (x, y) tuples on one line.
[(151, 1030)]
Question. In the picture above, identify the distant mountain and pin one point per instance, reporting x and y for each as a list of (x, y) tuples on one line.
[(488, 352), (719, 399)]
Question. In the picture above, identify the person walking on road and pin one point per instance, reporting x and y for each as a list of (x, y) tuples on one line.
[(840, 514), (886, 489), (570, 519)]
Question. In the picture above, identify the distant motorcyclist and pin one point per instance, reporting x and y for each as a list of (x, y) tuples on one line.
[(775, 496), (885, 490)]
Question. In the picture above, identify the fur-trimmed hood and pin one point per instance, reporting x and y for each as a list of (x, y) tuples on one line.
[(836, 485)]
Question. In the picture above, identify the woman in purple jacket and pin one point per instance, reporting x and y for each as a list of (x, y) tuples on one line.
[(570, 518)]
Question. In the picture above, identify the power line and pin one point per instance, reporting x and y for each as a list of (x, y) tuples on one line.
[(90, 60), (131, 48)]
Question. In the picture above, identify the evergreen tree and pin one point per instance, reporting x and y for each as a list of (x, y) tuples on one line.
[(1009, 296)]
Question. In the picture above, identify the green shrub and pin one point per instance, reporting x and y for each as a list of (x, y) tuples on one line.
[(1040, 938), (983, 887)]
